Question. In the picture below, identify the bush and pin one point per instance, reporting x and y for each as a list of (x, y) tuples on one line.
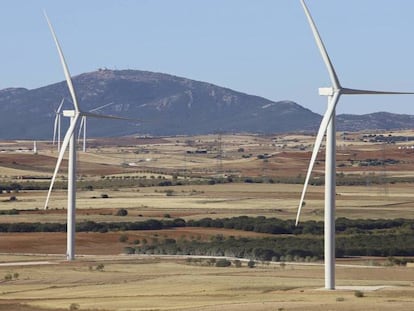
[(251, 264), (104, 196), (129, 250), (123, 238), (211, 261), (223, 263), (100, 267), (358, 294), (74, 306), (8, 277), (122, 212)]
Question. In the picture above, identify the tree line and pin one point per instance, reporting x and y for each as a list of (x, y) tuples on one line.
[(356, 237), (261, 224), (283, 248)]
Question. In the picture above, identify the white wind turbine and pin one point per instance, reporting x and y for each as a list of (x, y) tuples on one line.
[(82, 126), (328, 126), (69, 140), (56, 127)]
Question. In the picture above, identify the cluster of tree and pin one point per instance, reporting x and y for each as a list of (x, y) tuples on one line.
[(10, 212), (8, 187), (286, 248), (133, 181), (218, 262), (264, 249), (260, 224), (278, 226), (378, 162), (390, 139), (91, 226), (362, 237), (383, 245)]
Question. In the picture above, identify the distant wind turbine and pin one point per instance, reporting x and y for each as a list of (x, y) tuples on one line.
[(56, 127), (328, 126), (82, 126), (69, 140)]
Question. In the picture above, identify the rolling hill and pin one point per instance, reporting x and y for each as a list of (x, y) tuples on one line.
[(168, 105)]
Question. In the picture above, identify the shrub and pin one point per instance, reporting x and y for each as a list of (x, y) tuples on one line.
[(169, 192), (237, 263), (223, 263), (358, 294), (129, 250), (100, 267), (104, 196), (122, 212), (123, 238), (251, 264), (74, 306)]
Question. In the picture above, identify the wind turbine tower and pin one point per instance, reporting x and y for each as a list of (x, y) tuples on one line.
[(69, 140), (327, 126)]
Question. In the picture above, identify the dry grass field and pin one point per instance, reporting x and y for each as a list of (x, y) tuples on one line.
[(150, 283), (143, 283)]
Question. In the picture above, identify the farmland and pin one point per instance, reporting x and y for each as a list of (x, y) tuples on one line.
[(191, 178)]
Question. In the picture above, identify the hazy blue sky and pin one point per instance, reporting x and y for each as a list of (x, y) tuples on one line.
[(261, 47)]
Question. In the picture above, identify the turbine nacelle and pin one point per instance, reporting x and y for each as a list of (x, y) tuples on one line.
[(326, 91), (69, 113)]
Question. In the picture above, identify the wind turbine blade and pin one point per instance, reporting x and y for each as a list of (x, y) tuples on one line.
[(319, 137), (84, 136), (102, 116), (368, 92), (65, 144), (81, 125), (60, 106), (321, 47), (55, 128), (57, 117), (64, 65), (101, 107)]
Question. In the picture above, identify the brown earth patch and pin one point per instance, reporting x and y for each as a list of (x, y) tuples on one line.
[(94, 243)]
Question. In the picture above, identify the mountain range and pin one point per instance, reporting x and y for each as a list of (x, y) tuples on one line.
[(167, 105)]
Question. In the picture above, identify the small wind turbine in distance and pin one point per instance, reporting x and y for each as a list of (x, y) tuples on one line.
[(56, 126), (328, 126), (82, 126), (69, 140)]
